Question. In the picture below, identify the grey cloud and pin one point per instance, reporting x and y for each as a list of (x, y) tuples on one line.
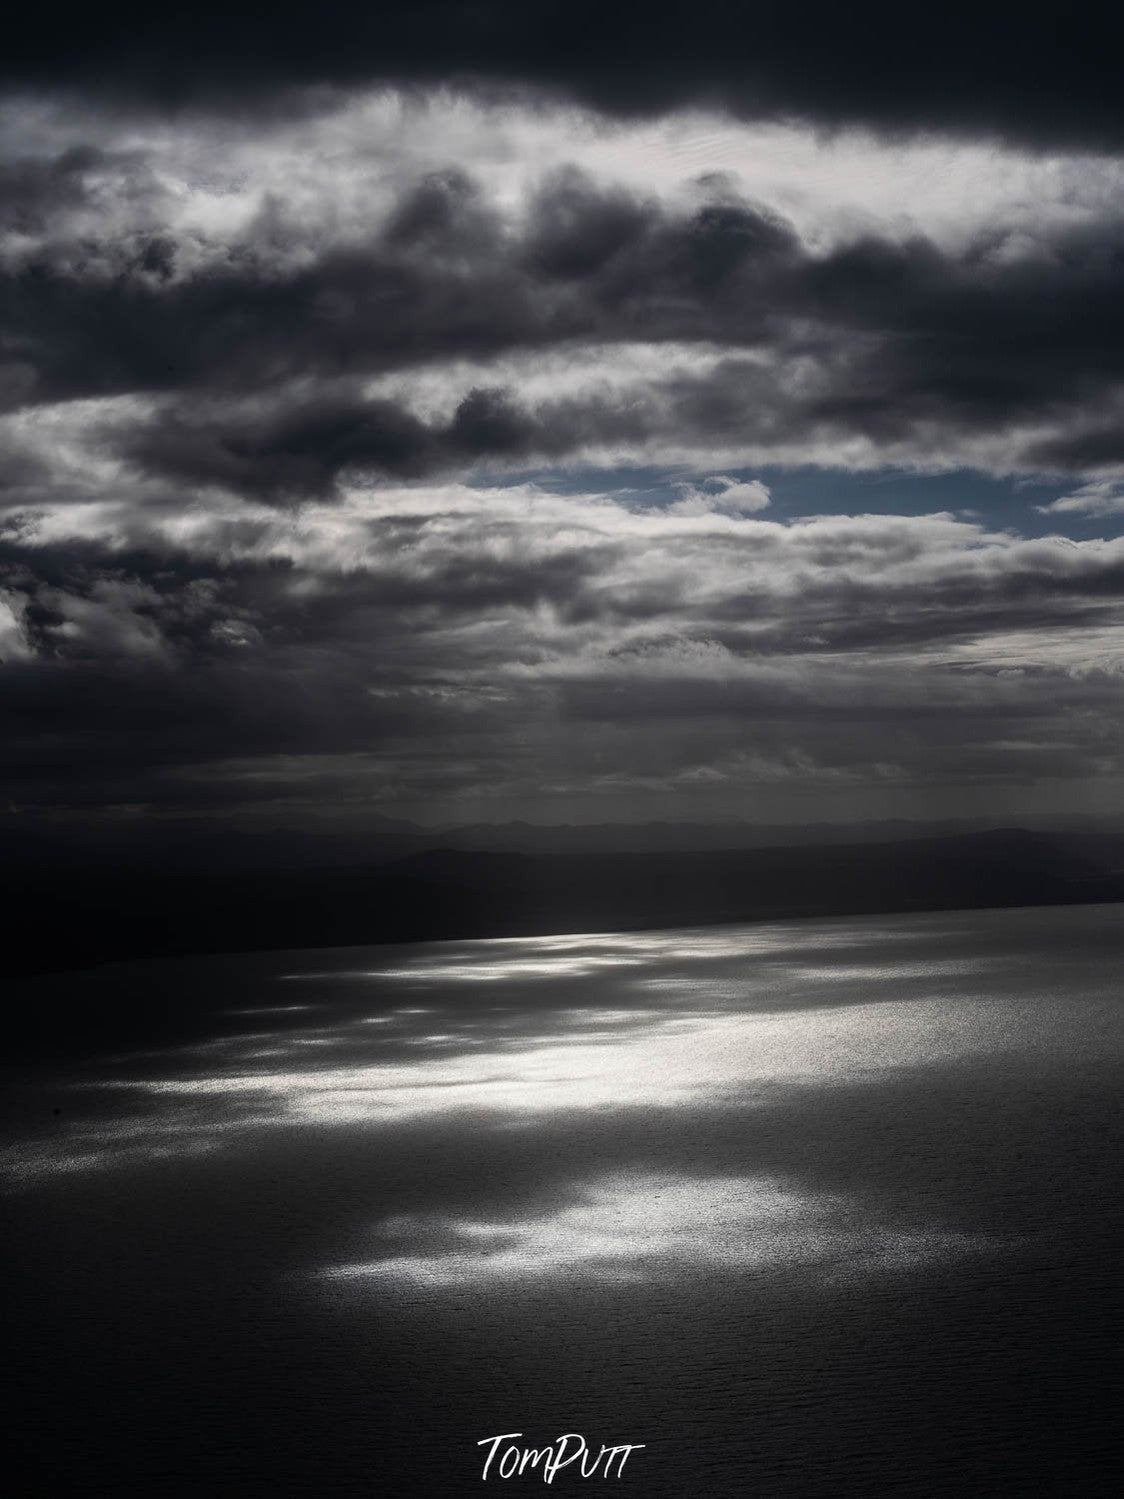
[(116, 318), (298, 446), (241, 569), (1003, 69), (456, 650), (1084, 449), (259, 364), (34, 190)]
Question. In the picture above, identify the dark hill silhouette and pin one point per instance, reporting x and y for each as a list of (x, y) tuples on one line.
[(61, 921), (77, 918)]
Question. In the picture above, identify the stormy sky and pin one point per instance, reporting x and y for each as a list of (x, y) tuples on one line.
[(473, 411)]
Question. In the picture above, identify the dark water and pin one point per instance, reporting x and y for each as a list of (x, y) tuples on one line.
[(808, 1209)]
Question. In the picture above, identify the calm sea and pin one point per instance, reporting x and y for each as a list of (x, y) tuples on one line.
[(815, 1208)]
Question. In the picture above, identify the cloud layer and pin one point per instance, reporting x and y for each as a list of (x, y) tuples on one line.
[(433, 326), (1002, 69), (454, 644), (419, 451)]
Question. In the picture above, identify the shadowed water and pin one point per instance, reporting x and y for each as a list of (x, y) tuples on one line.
[(813, 1208)]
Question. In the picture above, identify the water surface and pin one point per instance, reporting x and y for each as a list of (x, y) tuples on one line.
[(812, 1208)]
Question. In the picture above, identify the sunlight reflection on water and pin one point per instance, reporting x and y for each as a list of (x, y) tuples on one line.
[(635, 1227), (662, 1027)]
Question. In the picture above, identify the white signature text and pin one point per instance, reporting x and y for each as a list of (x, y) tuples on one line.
[(514, 1461)]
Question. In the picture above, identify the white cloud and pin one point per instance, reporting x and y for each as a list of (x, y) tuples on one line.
[(338, 168), (1101, 497), (13, 639), (720, 495)]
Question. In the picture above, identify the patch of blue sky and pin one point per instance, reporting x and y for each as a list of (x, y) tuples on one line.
[(1008, 503)]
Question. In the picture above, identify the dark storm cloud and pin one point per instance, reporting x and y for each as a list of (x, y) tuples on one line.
[(469, 645), (262, 357), (149, 665), (1087, 448), (298, 447), (1033, 75), (260, 363), (33, 191), (440, 282)]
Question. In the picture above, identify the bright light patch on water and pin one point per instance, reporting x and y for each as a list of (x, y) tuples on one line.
[(661, 1025), (605, 1061), (648, 1226)]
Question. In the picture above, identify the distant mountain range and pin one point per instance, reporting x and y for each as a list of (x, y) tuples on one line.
[(246, 896), (31, 842)]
